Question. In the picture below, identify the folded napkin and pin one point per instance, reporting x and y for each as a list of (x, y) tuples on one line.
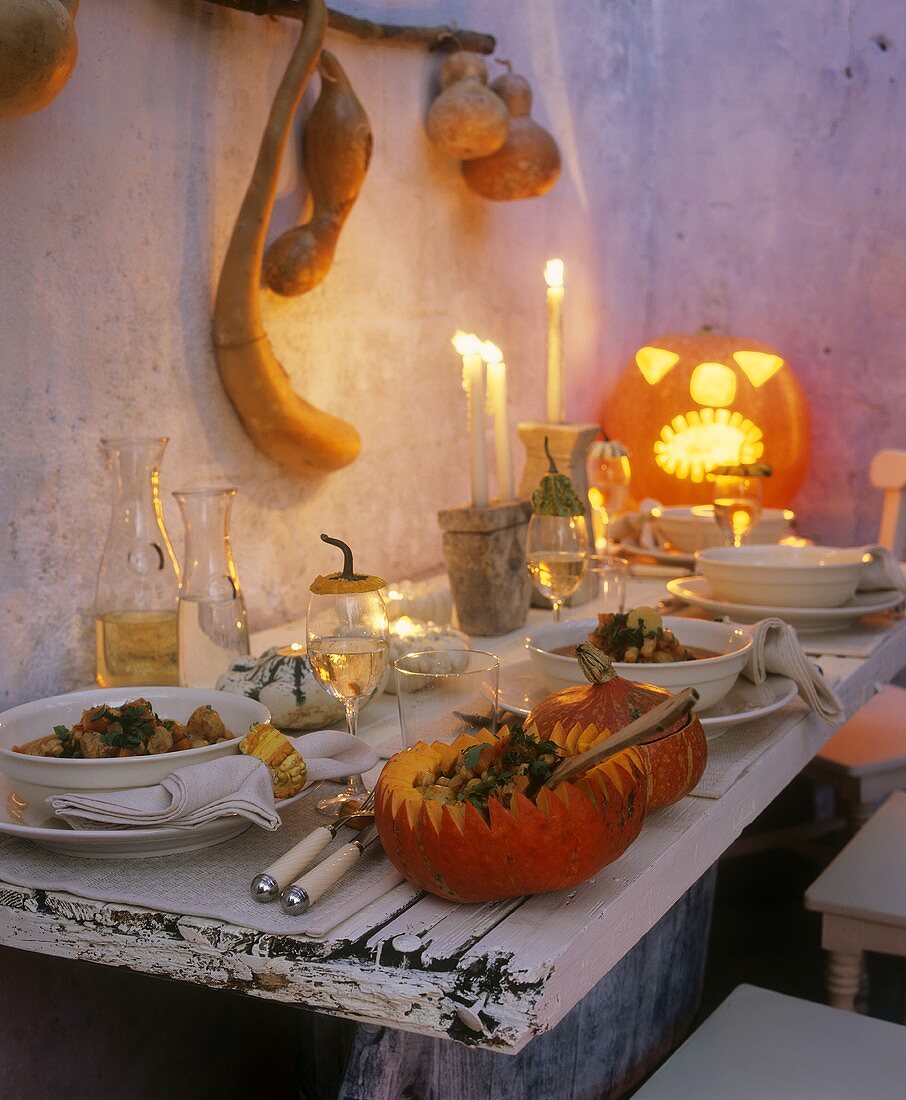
[(883, 571), (637, 526), (190, 796), (330, 754), (776, 649), (202, 792)]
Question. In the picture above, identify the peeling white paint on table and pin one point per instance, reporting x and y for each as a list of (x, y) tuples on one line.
[(415, 962)]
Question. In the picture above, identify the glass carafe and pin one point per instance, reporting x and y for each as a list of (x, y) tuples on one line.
[(138, 579), (213, 628)]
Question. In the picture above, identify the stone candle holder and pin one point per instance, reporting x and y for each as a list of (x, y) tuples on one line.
[(484, 550), (568, 444)]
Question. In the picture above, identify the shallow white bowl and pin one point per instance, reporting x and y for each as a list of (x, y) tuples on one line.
[(712, 677), (691, 529), (36, 777), (782, 576)]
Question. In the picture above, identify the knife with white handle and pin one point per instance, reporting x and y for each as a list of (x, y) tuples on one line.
[(304, 892)]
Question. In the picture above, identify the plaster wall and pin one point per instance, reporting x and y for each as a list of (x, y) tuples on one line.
[(731, 163)]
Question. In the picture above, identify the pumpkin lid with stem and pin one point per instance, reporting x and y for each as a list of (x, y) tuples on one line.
[(346, 581), (555, 496)]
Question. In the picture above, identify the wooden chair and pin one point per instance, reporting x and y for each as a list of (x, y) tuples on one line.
[(862, 898), (865, 760), (766, 1046)]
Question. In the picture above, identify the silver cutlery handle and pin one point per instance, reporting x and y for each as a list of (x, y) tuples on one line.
[(267, 885), (303, 893)]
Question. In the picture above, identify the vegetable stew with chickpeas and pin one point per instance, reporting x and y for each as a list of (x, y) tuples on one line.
[(639, 637), (133, 729)]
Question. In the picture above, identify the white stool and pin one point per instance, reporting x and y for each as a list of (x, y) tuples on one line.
[(765, 1046), (862, 898)]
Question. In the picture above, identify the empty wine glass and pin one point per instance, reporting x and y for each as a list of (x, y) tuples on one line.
[(556, 553), (737, 505), (608, 473), (348, 649)]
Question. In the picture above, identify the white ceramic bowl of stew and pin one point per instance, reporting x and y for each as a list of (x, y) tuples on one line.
[(36, 777), (724, 650)]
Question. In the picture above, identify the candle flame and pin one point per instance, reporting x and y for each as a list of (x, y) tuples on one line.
[(466, 343), (491, 353), (404, 627), (553, 273)]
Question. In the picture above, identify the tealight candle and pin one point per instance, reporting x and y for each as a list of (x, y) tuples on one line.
[(553, 276)]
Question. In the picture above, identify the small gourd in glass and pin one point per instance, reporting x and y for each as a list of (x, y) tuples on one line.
[(348, 641)]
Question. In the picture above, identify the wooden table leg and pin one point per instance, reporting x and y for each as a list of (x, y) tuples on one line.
[(842, 979)]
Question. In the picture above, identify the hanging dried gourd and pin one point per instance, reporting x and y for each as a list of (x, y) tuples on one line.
[(280, 422), (38, 50), (528, 163), (555, 496), (467, 119), (337, 150)]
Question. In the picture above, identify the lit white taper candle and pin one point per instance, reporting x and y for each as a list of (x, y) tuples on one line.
[(468, 346), (553, 276), (497, 403)]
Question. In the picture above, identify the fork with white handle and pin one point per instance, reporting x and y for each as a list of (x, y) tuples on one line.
[(284, 870)]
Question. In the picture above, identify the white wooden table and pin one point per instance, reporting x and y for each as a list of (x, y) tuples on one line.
[(527, 961)]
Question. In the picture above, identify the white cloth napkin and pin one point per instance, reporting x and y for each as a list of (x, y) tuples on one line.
[(637, 526), (331, 754), (882, 572), (202, 792), (776, 649), (190, 796)]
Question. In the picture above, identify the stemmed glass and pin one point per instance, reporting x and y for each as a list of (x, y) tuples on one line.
[(737, 505), (556, 553), (608, 474), (348, 649)]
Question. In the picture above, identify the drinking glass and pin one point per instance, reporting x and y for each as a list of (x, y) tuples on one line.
[(612, 574), (608, 473), (348, 649), (445, 693), (556, 553), (737, 505)]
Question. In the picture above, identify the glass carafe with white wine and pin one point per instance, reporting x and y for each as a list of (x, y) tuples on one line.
[(138, 578), (348, 648), (737, 497), (556, 542)]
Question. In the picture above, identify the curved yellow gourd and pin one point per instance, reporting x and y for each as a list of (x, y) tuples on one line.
[(279, 422)]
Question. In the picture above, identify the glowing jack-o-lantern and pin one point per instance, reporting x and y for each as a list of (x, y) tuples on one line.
[(688, 403)]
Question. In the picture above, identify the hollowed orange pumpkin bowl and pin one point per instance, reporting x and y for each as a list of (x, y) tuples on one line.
[(567, 835)]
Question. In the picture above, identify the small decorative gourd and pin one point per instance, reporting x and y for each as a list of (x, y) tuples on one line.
[(467, 119), (283, 681), (38, 50), (408, 636), (528, 163)]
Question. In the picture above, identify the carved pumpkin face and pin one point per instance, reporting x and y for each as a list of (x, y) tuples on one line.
[(688, 403)]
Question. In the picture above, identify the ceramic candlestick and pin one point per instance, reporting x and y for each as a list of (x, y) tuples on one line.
[(568, 444), (484, 549)]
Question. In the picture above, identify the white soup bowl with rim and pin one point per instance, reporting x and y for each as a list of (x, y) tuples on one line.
[(695, 528), (712, 677), (782, 576), (34, 778)]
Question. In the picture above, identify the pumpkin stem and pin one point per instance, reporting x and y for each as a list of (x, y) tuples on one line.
[(596, 666), (508, 65), (348, 573), (552, 469)]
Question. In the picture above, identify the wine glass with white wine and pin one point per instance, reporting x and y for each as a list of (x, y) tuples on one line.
[(608, 474), (348, 649), (737, 496), (556, 553)]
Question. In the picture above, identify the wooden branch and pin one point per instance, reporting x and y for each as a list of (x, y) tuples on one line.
[(447, 37)]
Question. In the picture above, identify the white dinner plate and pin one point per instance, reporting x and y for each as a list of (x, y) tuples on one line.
[(807, 620), (631, 549), (36, 823), (521, 688)]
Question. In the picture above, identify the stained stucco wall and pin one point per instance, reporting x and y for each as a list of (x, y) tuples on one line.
[(734, 163)]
